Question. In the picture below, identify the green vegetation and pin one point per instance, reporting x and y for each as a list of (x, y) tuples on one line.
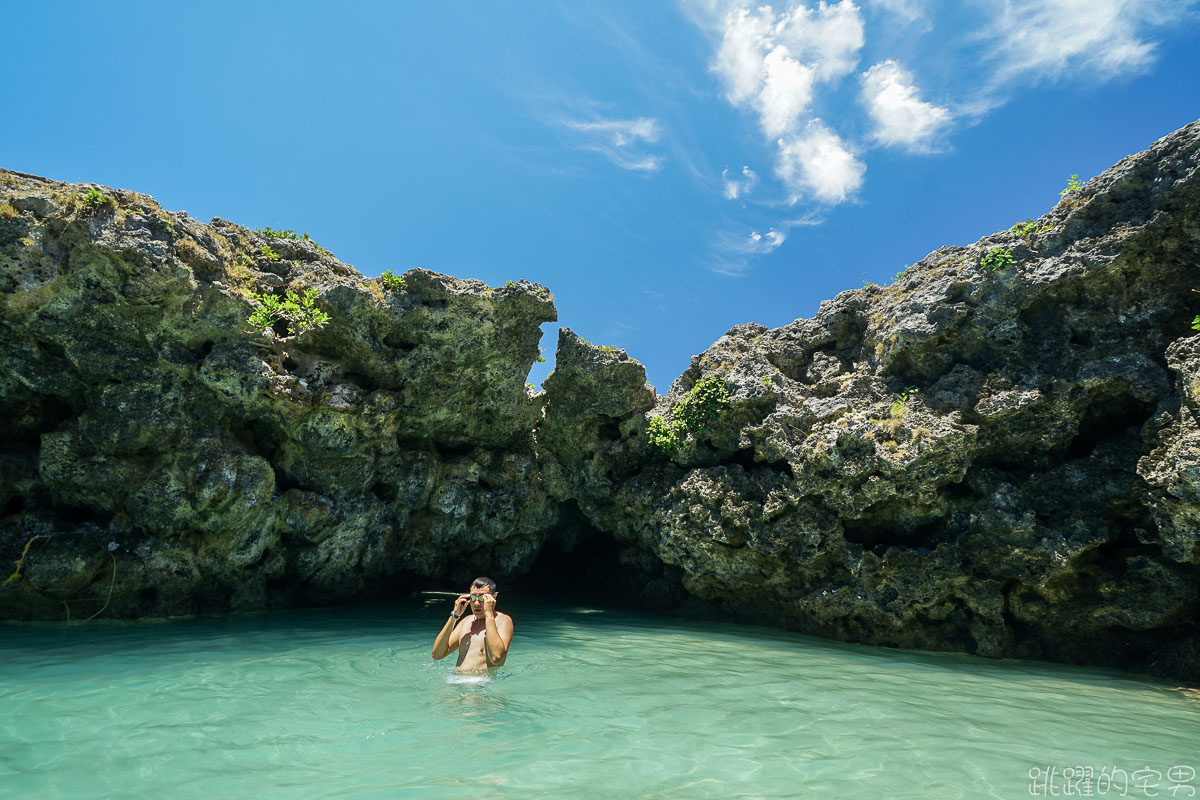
[(268, 253), (996, 258), (607, 348), (286, 233), (509, 284), (766, 382), (662, 434), (543, 292), (701, 406), (1028, 228), (902, 273), (1073, 185), (239, 273), (393, 283), (897, 409), (1196, 324), (94, 199), (869, 283), (300, 312), (7, 211), (166, 220)]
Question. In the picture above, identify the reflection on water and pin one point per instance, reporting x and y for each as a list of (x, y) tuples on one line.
[(591, 703)]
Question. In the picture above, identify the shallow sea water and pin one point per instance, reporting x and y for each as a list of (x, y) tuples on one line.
[(592, 703)]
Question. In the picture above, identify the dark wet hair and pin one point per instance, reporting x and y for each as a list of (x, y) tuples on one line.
[(482, 582)]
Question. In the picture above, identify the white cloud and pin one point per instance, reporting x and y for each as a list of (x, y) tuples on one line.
[(827, 37), (739, 60), (817, 162), (772, 63), (901, 117), (786, 93), (620, 139), (1053, 37), (735, 188)]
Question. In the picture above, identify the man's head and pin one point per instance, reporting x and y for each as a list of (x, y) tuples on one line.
[(480, 587)]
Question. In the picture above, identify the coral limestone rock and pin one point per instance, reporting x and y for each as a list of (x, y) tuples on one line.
[(998, 453)]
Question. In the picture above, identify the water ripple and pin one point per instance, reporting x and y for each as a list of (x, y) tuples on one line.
[(589, 705)]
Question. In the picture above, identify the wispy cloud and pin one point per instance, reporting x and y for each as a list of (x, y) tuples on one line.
[(1051, 38), (733, 251), (906, 12), (901, 117), (772, 63), (739, 187), (620, 140)]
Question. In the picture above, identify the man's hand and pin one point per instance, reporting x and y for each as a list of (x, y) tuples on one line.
[(460, 605), (489, 604)]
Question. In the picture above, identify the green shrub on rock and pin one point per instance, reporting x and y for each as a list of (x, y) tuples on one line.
[(996, 258), (286, 233), (662, 434), (701, 406), (300, 312), (93, 199), (1073, 185), (391, 282)]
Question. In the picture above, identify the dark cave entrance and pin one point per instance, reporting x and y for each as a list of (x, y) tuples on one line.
[(581, 565)]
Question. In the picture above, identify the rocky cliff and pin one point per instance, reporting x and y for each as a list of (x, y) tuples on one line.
[(998, 453)]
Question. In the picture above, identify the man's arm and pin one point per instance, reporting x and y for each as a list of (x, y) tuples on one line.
[(449, 637), (499, 632)]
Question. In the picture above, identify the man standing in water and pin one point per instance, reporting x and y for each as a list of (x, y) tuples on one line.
[(482, 638)]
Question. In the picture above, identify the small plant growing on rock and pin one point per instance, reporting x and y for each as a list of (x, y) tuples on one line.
[(1073, 185), (268, 253), (167, 222), (93, 199), (902, 273), (239, 273), (897, 409), (7, 211), (701, 406), (766, 382), (662, 434), (393, 283), (607, 348), (285, 233), (996, 258), (1028, 228), (299, 311)]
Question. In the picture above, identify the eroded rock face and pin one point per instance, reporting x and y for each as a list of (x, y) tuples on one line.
[(998, 453), (993, 460), (149, 436)]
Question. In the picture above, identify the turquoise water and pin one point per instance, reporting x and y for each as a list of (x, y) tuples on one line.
[(591, 704)]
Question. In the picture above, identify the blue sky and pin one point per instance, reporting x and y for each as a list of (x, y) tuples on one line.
[(667, 169)]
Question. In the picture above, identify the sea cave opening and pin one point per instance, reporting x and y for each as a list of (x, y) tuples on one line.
[(582, 565)]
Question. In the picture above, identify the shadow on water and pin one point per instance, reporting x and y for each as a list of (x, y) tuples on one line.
[(540, 625)]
